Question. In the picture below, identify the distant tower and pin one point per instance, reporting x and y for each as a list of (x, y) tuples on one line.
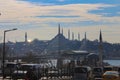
[(100, 50), (69, 34), (26, 37), (78, 36), (72, 36), (58, 28)]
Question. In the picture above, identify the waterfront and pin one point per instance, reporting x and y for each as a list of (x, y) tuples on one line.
[(113, 62)]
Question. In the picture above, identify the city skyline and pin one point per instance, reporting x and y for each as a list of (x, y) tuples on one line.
[(40, 19)]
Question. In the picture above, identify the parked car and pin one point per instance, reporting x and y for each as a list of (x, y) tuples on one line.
[(111, 75)]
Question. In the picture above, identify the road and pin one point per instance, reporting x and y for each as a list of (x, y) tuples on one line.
[(44, 78)]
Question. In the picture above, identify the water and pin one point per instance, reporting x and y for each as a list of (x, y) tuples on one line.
[(113, 62)]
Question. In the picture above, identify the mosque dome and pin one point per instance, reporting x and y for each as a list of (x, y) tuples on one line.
[(92, 56)]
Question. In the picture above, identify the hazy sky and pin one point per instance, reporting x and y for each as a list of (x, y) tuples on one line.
[(40, 18)]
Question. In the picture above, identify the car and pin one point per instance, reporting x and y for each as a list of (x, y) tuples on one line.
[(107, 68), (111, 75), (18, 74), (82, 73), (9, 68), (65, 72), (119, 70), (21, 72), (53, 73)]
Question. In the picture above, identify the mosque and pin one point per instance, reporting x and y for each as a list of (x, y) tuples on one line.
[(59, 48)]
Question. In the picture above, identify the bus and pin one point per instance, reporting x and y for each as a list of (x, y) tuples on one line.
[(82, 73)]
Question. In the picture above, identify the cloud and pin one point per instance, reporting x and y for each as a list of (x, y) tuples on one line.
[(61, 0), (26, 16), (21, 11)]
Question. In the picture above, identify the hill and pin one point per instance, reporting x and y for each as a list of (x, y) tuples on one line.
[(59, 43)]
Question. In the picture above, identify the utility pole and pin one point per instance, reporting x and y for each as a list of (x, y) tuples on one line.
[(4, 52)]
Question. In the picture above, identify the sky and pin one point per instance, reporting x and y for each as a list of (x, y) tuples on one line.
[(40, 19)]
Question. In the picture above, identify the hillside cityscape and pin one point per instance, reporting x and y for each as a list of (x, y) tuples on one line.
[(60, 42)]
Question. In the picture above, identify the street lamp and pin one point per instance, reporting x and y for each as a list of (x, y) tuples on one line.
[(4, 53)]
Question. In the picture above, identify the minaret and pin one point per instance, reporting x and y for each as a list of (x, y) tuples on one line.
[(59, 38), (59, 60), (72, 36), (25, 36), (100, 37), (100, 50), (58, 28), (85, 36), (62, 31), (78, 36), (69, 34)]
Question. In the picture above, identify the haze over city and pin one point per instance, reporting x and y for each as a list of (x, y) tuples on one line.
[(40, 18)]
